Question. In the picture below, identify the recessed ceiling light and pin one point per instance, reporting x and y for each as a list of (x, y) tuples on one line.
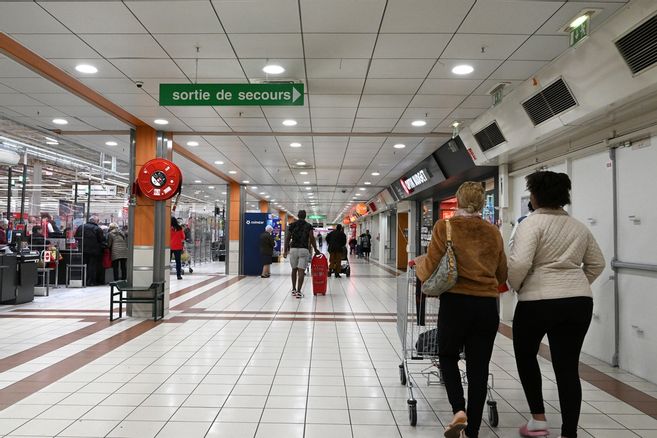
[(111, 143), (54, 142), (273, 69), (161, 122), (367, 183), (462, 69), (308, 188), (246, 181), (223, 193), (303, 173), (289, 122), (267, 196), (232, 172), (206, 196), (306, 182), (197, 181), (376, 173), (262, 193), (254, 188), (86, 68), (211, 187), (273, 200), (397, 146), (362, 188), (60, 121), (301, 163), (579, 21), (192, 143), (418, 123), (357, 194), (295, 145), (456, 124), (218, 162)]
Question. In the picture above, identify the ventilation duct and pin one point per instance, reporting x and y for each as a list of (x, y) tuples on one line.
[(549, 102), (639, 46), (489, 137)]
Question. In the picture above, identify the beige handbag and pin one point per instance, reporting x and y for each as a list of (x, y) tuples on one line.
[(446, 273)]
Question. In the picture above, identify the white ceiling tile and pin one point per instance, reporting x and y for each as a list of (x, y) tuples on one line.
[(239, 111), (267, 45), (321, 124), (335, 86), (27, 17), (194, 122), (415, 45), (482, 102), (385, 101), (466, 113), (426, 113), (294, 112), (542, 48), (59, 98), (114, 86), (176, 17), (331, 113), (382, 113), (569, 11), (32, 85), (336, 68), (517, 70), (492, 16), (251, 16), (386, 124), (424, 16), (238, 124), (487, 86), (341, 15), (94, 16), (137, 69), (57, 46), (436, 100), (184, 46), (482, 68), (105, 123), (449, 86), (211, 69), (335, 101), (294, 69), (469, 46), (400, 68), (124, 46), (105, 68), (392, 86), (339, 45), (12, 69)]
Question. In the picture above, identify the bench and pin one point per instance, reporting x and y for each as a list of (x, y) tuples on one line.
[(121, 292)]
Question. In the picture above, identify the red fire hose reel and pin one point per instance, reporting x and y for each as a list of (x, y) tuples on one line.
[(159, 179)]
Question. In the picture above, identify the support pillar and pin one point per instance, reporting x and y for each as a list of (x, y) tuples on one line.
[(264, 206), (236, 208), (149, 221), (35, 197), (282, 217), (507, 301)]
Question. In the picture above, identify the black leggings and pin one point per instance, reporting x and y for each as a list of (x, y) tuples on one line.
[(177, 255), (565, 321), (470, 323), (122, 273)]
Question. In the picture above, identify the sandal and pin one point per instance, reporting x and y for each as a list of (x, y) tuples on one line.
[(457, 426), (526, 432)]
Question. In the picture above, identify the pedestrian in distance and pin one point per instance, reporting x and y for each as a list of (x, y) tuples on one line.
[(553, 260), (267, 244), (298, 239), (117, 242), (337, 242), (468, 319), (177, 245)]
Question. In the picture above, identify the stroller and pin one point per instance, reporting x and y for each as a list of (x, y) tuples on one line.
[(344, 263)]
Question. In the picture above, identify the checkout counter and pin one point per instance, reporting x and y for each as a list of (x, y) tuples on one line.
[(18, 276)]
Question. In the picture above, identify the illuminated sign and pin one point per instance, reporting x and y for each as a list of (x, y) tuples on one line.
[(420, 177)]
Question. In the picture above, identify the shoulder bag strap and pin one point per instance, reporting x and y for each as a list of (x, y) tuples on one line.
[(448, 229)]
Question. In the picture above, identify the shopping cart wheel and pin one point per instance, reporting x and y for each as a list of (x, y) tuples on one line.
[(402, 375), (348, 273), (493, 417), (191, 270), (412, 412)]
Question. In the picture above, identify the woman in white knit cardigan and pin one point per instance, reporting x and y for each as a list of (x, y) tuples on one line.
[(552, 262)]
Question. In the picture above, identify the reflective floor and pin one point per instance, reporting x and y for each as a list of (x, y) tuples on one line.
[(240, 357)]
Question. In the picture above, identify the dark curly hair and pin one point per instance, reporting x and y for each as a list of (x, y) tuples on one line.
[(550, 189)]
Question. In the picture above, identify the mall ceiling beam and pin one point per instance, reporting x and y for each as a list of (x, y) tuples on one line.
[(21, 54), (436, 134)]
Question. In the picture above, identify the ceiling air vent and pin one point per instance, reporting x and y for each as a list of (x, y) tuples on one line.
[(639, 46), (489, 137), (549, 102)]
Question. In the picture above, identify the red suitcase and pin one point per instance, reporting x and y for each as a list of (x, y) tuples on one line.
[(319, 271)]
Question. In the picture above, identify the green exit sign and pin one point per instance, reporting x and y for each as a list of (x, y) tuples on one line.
[(580, 32), (231, 94), (317, 216)]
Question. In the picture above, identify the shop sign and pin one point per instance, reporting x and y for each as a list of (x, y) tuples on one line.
[(409, 184), (231, 94), (96, 190)]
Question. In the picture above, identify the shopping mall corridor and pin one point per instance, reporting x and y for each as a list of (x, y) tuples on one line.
[(240, 357)]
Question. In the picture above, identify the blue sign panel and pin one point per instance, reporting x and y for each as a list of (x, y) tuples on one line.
[(254, 226)]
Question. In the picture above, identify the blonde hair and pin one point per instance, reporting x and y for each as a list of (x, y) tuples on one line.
[(113, 225), (471, 196)]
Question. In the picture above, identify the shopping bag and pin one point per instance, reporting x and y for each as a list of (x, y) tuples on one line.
[(107, 258)]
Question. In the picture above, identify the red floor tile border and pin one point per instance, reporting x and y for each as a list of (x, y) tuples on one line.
[(622, 391), (386, 268), (41, 379), (192, 288), (207, 294)]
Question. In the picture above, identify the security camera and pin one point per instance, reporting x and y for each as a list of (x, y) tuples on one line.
[(139, 84)]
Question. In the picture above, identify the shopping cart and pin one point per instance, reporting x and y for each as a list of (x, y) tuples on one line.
[(417, 327)]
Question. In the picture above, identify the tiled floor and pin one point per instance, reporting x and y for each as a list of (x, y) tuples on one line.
[(242, 358)]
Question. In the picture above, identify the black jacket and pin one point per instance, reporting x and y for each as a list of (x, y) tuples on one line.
[(336, 240), (90, 238), (267, 244)]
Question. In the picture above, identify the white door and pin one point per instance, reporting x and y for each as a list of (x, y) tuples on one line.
[(592, 204), (637, 243)]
